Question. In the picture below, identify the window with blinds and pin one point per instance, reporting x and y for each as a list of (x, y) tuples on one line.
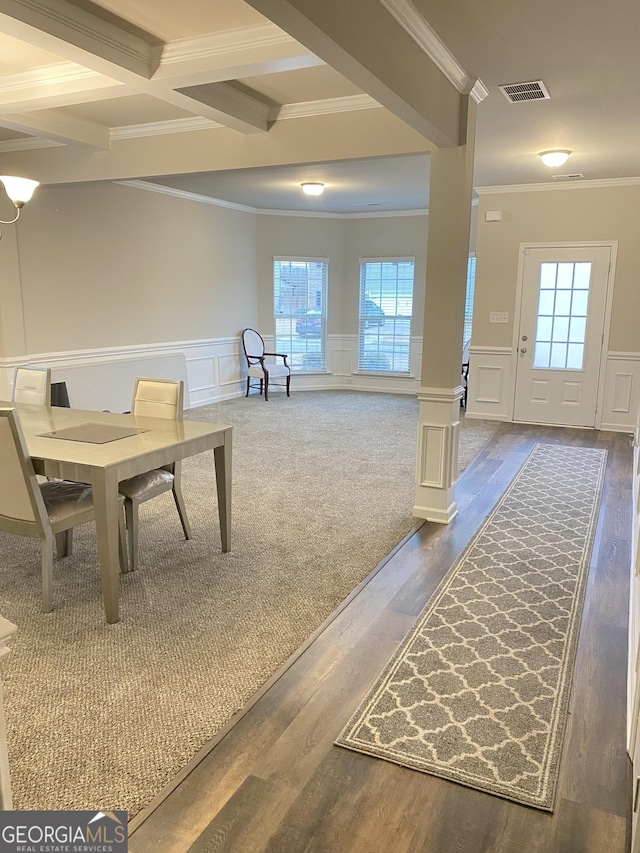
[(386, 308), (300, 311), (468, 304)]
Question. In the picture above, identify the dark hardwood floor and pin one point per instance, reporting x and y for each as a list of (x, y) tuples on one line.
[(275, 781)]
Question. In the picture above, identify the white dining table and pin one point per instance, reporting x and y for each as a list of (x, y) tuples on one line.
[(154, 442)]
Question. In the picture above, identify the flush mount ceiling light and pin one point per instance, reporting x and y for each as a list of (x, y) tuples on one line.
[(554, 158), (312, 187)]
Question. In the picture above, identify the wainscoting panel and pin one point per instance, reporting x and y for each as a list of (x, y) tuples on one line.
[(490, 391), (621, 392)]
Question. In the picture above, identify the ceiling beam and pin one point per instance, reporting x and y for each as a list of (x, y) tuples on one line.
[(229, 106), (78, 35), (59, 127), (367, 48)]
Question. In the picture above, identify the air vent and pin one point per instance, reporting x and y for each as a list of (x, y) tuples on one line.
[(575, 177), (532, 91)]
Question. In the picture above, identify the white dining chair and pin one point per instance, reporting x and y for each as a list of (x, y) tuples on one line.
[(154, 398), (32, 385), (41, 510)]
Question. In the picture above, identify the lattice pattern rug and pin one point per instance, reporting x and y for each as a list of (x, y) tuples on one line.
[(478, 691)]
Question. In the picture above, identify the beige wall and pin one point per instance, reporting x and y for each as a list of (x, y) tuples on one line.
[(385, 237), (303, 237), (559, 216), (108, 265), (343, 241)]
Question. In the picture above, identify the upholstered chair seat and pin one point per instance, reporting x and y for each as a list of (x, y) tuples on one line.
[(154, 398)]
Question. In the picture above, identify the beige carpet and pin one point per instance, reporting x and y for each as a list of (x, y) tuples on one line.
[(103, 716), (478, 691)]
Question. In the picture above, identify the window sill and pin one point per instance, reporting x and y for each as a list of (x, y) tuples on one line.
[(389, 373)]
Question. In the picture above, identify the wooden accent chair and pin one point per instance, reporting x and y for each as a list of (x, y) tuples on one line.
[(40, 510), (154, 398), (32, 385), (258, 368)]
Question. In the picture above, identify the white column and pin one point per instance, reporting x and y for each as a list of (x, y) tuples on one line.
[(447, 256)]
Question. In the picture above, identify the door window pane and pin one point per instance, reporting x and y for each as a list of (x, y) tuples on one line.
[(541, 354), (561, 323), (577, 330), (563, 303), (575, 355), (582, 276), (558, 356), (548, 276), (565, 276), (579, 307), (545, 304), (544, 328), (561, 329)]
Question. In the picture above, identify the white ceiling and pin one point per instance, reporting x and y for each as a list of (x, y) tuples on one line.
[(58, 89)]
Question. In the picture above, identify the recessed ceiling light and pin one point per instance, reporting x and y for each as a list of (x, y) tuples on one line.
[(554, 158), (312, 187)]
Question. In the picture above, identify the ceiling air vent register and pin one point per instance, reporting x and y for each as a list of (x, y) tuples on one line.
[(535, 90)]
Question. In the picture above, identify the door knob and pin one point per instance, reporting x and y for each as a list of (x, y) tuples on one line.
[(523, 350)]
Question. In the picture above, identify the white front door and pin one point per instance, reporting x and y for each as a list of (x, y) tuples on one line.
[(564, 295)]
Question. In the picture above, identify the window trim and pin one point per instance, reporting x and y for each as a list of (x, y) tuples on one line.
[(403, 374), (303, 259)]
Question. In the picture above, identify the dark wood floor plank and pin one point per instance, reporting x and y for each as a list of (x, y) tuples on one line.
[(276, 782)]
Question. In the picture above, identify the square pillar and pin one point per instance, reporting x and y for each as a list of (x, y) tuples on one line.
[(450, 192)]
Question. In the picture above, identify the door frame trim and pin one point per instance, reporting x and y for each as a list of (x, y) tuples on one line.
[(612, 245)]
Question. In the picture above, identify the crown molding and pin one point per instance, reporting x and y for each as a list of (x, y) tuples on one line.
[(416, 26), (245, 208), (46, 75), (133, 50), (29, 144), (573, 185), (305, 109), (220, 44), (203, 199), (478, 91), (321, 214), (157, 128)]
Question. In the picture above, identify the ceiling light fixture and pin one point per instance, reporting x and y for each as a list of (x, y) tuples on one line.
[(554, 158), (312, 187), (19, 191)]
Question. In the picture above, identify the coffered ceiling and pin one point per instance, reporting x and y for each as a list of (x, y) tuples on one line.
[(217, 99)]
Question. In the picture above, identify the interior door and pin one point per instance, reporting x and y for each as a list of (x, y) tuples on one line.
[(561, 329)]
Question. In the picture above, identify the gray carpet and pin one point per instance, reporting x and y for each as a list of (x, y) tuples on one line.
[(478, 691), (104, 716)]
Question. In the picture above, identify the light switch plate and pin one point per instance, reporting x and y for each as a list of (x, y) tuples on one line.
[(498, 316)]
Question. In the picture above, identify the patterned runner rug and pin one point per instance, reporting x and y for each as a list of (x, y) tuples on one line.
[(478, 691)]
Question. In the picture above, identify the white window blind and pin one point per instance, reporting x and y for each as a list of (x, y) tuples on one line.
[(300, 311), (468, 305), (386, 309)]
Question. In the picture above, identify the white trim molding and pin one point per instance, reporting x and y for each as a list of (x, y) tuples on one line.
[(621, 391), (430, 43), (489, 394), (570, 185)]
